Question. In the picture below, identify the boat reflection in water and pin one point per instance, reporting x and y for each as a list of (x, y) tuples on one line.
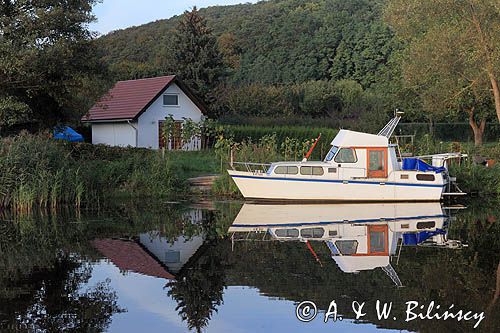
[(359, 236)]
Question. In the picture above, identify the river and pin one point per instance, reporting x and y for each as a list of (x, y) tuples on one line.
[(234, 267)]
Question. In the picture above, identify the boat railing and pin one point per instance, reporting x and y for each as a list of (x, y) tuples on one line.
[(251, 167)]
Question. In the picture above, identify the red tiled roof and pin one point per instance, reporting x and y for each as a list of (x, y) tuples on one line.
[(130, 256), (128, 99)]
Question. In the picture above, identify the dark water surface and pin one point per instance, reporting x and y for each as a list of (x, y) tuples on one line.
[(229, 267)]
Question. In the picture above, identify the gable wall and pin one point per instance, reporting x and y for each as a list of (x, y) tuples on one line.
[(148, 121)]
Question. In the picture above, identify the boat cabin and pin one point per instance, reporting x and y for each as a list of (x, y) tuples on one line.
[(352, 155), (356, 155)]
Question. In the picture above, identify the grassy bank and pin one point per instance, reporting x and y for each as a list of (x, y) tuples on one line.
[(37, 171)]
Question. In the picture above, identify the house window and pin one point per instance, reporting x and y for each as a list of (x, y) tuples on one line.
[(171, 100)]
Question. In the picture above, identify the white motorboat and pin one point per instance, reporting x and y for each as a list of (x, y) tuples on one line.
[(358, 167)]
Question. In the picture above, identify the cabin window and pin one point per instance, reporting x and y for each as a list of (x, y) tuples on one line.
[(290, 233), (347, 247), (404, 177), (318, 171), (286, 170), (312, 232), (425, 177), (426, 225), (346, 155), (307, 171), (331, 153), (332, 170), (171, 100)]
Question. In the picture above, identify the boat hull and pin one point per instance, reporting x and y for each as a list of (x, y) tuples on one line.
[(262, 187)]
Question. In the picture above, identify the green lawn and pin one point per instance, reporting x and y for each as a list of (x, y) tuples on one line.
[(188, 164)]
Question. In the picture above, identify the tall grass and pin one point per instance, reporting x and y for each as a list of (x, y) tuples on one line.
[(40, 172)]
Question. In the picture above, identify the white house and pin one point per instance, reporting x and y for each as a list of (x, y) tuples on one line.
[(132, 114)]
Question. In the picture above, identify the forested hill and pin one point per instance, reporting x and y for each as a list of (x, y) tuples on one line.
[(277, 41)]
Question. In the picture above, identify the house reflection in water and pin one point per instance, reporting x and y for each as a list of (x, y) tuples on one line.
[(360, 237), (151, 253)]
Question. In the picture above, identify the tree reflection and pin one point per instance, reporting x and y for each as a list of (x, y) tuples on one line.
[(50, 300), (199, 287), (43, 266)]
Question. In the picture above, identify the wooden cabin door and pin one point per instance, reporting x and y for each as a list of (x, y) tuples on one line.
[(376, 162), (378, 240)]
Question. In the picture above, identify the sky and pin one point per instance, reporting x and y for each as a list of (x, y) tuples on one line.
[(119, 14)]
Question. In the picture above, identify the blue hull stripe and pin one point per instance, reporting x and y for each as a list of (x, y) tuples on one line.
[(338, 181), (384, 219)]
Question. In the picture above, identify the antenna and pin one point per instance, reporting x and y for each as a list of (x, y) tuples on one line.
[(391, 125)]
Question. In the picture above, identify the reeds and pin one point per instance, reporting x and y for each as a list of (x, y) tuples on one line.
[(39, 172)]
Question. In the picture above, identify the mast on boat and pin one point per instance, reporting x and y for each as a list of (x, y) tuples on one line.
[(391, 125)]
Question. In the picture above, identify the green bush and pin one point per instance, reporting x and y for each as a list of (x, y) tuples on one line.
[(284, 135), (478, 179)]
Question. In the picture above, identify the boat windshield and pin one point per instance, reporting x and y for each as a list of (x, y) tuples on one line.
[(331, 153)]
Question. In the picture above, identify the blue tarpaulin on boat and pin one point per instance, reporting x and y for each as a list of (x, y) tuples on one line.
[(420, 237), (419, 165), (68, 134)]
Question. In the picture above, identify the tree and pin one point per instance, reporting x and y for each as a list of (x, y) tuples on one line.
[(452, 55), (48, 61), (196, 57)]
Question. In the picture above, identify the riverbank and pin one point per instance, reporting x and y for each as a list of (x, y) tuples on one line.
[(40, 172)]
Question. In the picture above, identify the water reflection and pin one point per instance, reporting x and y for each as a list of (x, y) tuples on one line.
[(215, 268), (359, 237)]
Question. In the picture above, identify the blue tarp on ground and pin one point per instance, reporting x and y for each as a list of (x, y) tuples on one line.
[(419, 165), (68, 134)]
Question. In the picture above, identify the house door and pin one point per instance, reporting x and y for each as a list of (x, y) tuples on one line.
[(378, 239), (174, 139), (377, 162), (176, 136)]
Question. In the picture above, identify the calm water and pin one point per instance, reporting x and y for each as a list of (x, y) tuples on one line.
[(229, 267)]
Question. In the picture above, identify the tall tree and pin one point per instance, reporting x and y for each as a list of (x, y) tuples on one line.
[(196, 57), (47, 60), (452, 55)]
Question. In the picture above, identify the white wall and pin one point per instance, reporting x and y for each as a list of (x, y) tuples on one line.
[(160, 246), (114, 134), (148, 121)]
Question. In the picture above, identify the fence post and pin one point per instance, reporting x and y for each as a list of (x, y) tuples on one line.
[(231, 158)]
